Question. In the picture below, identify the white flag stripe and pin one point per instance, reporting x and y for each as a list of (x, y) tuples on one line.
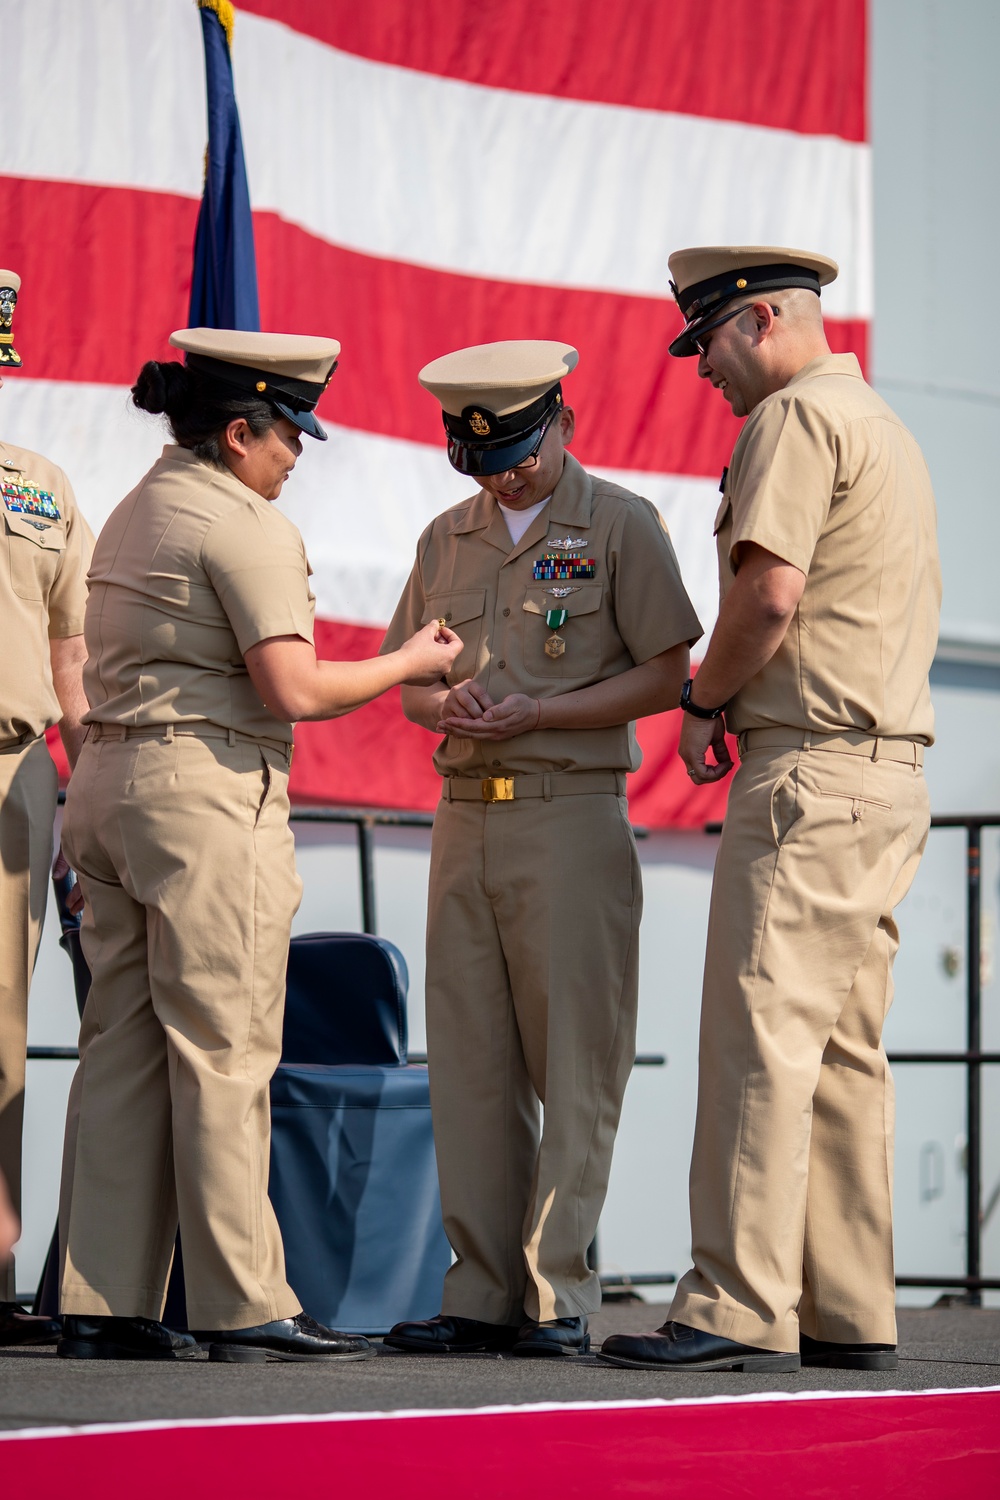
[(360, 500), (415, 167)]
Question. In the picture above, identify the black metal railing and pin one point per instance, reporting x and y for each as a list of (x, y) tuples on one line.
[(972, 1058)]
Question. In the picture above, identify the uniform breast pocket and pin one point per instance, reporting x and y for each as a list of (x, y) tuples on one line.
[(34, 548), (462, 611), (581, 632)]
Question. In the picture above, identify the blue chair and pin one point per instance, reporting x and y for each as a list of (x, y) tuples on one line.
[(353, 1174)]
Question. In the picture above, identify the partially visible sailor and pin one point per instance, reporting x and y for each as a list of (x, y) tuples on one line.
[(43, 592)]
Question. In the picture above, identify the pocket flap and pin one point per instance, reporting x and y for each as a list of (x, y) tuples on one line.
[(454, 609), (42, 533), (583, 599)]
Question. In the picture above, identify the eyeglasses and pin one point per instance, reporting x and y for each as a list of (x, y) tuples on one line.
[(700, 342), (531, 462)]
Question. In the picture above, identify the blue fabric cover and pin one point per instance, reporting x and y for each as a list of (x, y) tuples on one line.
[(354, 1186), (345, 1000)]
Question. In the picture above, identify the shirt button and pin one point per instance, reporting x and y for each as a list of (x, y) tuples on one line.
[(506, 613), (496, 762), (448, 615), (501, 665)]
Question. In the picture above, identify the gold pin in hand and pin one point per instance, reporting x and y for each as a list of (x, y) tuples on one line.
[(442, 622)]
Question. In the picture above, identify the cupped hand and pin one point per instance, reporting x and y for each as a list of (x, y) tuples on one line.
[(698, 736), (514, 715), (429, 654), (466, 700)]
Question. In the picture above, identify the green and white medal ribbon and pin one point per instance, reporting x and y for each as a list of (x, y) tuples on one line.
[(555, 619)]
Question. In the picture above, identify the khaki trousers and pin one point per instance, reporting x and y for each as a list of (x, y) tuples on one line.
[(791, 1176), (28, 787), (187, 865), (532, 983)]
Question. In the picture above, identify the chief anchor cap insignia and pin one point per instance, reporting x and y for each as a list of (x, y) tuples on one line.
[(479, 424)]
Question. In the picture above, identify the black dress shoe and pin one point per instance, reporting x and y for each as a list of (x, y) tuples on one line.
[(123, 1338), (554, 1339), (20, 1327), (677, 1347), (833, 1356), (300, 1338), (450, 1335)]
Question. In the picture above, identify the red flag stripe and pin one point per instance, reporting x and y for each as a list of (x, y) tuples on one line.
[(792, 64), (640, 409)]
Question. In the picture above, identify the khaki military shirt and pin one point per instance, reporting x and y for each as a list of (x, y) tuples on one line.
[(191, 570), (825, 476), (634, 607), (43, 588)]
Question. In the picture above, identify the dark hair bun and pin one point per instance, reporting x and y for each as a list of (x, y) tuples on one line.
[(160, 387), (150, 390), (197, 406)]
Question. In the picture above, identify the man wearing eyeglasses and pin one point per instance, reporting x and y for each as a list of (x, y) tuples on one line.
[(566, 593), (819, 664)]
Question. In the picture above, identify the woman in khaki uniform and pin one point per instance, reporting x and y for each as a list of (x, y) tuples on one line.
[(199, 628)]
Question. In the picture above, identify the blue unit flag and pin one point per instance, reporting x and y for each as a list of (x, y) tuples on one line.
[(224, 283)]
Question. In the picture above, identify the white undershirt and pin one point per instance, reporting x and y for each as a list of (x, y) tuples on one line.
[(518, 521)]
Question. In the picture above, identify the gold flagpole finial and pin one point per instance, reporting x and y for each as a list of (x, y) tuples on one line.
[(226, 14)]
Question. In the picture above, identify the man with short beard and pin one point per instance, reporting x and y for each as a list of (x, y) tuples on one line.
[(565, 591), (819, 662)]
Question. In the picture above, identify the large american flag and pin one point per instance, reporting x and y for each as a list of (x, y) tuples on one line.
[(424, 175)]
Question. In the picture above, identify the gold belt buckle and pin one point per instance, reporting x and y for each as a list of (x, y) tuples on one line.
[(498, 789)]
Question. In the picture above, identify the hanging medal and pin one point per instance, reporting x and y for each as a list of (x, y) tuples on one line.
[(555, 619)]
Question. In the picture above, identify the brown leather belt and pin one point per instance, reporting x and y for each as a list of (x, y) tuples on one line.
[(547, 784), (185, 731), (845, 742)]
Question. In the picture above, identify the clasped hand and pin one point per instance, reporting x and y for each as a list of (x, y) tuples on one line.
[(468, 712), (698, 736)]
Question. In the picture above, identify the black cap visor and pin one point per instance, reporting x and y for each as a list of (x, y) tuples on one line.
[(468, 460), (305, 421), (684, 344)]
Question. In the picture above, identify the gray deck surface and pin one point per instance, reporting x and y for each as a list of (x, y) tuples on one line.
[(946, 1347)]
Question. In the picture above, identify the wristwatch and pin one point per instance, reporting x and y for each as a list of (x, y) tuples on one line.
[(696, 708)]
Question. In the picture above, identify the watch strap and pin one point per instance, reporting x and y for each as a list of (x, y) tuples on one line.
[(695, 708)]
